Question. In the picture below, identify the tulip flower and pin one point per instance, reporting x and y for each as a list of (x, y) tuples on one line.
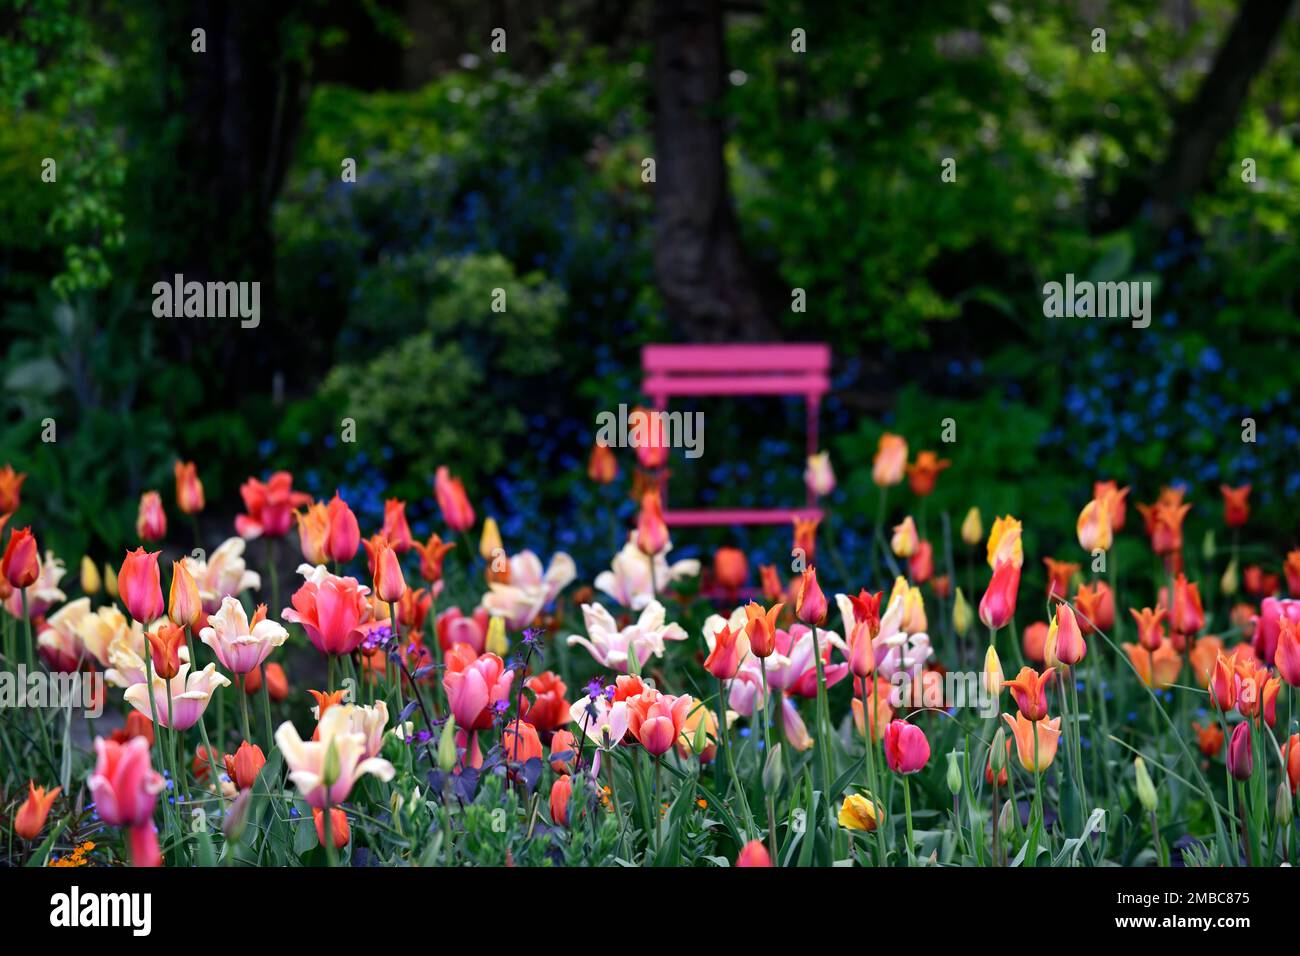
[(530, 589), (805, 537), (395, 528), (818, 475), (563, 750), (1157, 669), (1287, 653), (730, 569), (906, 748), (998, 606), (810, 606), (59, 643), (90, 580), (124, 788), (325, 770), (239, 644), (612, 646), (1292, 570), (473, 685), (1241, 762), (277, 684), (224, 574), (189, 490), (332, 610), (21, 565), (651, 531), (1268, 625), (890, 461), (905, 540), (184, 604), (1186, 617), (245, 764), (548, 710), (1236, 505), (1164, 523), (754, 854), (269, 507), (344, 537), (1150, 625), (602, 467), (1115, 500), (164, 647), (140, 584), (561, 791), (432, 554), (860, 812), (340, 832), (1208, 739), (1293, 762), (1065, 643), (1035, 756), (151, 521), (922, 474), (1059, 576), (656, 720), (452, 501), (313, 532), (1029, 688), (604, 722), (1093, 527), (761, 628), (520, 743), (30, 818), (188, 693), (390, 585), (1004, 543), (993, 677), (11, 483), (727, 649)]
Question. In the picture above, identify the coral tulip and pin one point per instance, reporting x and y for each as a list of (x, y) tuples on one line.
[(164, 647), (474, 685), (810, 606), (269, 507), (151, 522), (344, 537), (30, 818), (340, 832), (1236, 505), (390, 584), (805, 538), (1159, 668), (245, 764), (395, 528), (1047, 732), (125, 788), (189, 489), (561, 791), (890, 461), (1115, 499), (548, 710), (1059, 576), (651, 531), (998, 606), (656, 720), (761, 628), (1150, 625), (452, 501), (432, 554), (754, 854), (1208, 739), (1186, 617), (730, 569), (11, 483), (602, 466), (333, 611), (140, 584), (1029, 688), (1034, 642), (730, 647), (184, 604)]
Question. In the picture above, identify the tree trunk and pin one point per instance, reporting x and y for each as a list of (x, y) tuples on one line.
[(704, 277)]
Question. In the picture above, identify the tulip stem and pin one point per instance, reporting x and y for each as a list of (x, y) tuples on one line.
[(1031, 858), (824, 742), (907, 813), (330, 855), (654, 809), (266, 709), (997, 822), (243, 709), (767, 716)]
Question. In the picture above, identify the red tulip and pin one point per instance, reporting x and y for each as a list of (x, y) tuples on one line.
[(340, 833), (21, 565), (561, 791), (754, 854), (1236, 505), (245, 764)]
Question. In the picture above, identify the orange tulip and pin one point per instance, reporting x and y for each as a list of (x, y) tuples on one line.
[(396, 529), (431, 556), (390, 584), (184, 606), (1236, 505), (339, 831), (165, 646), (805, 538), (11, 484), (30, 818), (754, 854), (1205, 651), (21, 565), (189, 490), (760, 628), (277, 684), (1047, 732), (1292, 569), (1208, 739), (1114, 497), (1059, 576), (810, 607), (1187, 616), (561, 792), (922, 475), (313, 532), (1150, 625), (1034, 641), (730, 569), (602, 467), (772, 589), (245, 764), (1157, 668)]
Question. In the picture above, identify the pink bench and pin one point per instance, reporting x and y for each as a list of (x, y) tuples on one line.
[(767, 369)]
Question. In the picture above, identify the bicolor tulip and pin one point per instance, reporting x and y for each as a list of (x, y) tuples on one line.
[(810, 606), (164, 647), (125, 788), (313, 532), (240, 644), (906, 748), (860, 812), (727, 649), (603, 721), (998, 606), (530, 588), (184, 603), (905, 539), (647, 436), (890, 461), (656, 720), (325, 769), (818, 476), (151, 520), (452, 501), (1093, 527), (1029, 689), (1241, 761), (189, 489), (474, 684), (1047, 732), (1236, 505), (390, 584), (1116, 502), (651, 531), (189, 693), (140, 584), (30, 818), (1004, 543), (1150, 625), (1065, 643), (922, 474)]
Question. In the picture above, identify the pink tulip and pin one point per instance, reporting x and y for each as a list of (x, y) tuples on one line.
[(270, 506), (333, 611), (1268, 626), (657, 719), (474, 686), (998, 606), (454, 628), (452, 501), (124, 788), (344, 536), (906, 747), (1241, 762), (139, 583), (810, 606), (151, 522)]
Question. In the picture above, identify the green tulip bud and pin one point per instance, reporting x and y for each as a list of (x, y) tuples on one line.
[(447, 746), (1146, 790), (954, 774)]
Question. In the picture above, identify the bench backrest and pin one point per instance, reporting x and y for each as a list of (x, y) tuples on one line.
[(768, 369)]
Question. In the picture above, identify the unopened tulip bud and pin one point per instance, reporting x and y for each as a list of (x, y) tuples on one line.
[(773, 770), (489, 542), (1006, 822), (90, 581), (447, 746), (110, 581), (972, 528), (700, 742), (954, 774), (993, 674), (1228, 583), (1208, 549), (184, 606), (1282, 808), (1146, 790), (496, 637), (963, 615), (235, 817), (998, 752)]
